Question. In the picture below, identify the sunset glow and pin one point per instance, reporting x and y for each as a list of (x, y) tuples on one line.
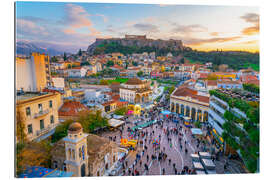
[(70, 26)]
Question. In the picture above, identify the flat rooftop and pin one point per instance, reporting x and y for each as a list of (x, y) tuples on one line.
[(28, 95)]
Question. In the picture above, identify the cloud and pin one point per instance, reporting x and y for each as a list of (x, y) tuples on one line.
[(76, 17), (214, 33), (66, 33), (146, 27), (195, 42), (28, 27), (186, 29), (253, 19), (250, 42)]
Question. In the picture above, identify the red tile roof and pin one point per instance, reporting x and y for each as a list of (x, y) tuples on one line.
[(71, 108), (187, 92), (108, 103), (211, 83), (52, 90)]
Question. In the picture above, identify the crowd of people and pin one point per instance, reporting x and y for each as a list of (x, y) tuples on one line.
[(150, 149)]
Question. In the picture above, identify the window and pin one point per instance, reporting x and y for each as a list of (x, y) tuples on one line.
[(52, 119), (50, 103), (28, 111), (30, 129), (80, 152), (41, 124), (40, 107)]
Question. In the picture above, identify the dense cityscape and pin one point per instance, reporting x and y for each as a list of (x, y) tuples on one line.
[(134, 106)]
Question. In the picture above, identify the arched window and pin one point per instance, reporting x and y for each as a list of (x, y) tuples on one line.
[(69, 153), (83, 152), (73, 154), (80, 153)]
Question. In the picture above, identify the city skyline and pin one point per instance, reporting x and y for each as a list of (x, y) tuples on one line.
[(70, 26)]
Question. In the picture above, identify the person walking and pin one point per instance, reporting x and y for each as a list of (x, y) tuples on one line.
[(175, 171), (169, 161)]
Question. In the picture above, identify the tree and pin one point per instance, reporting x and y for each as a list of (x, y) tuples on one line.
[(20, 127), (54, 59), (197, 124), (134, 63), (171, 89), (104, 82), (109, 63), (65, 56), (80, 52), (140, 74), (91, 120), (85, 63), (33, 154), (121, 111), (61, 131), (182, 61)]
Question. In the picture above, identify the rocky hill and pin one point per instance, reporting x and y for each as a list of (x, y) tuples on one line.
[(138, 43)]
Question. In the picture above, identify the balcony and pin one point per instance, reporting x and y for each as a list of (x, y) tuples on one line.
[(216, 116), (41, 113), (217, 107), (216, 126), (49, 130)]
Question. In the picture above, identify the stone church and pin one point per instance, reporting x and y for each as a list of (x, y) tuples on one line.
[(84, 154)]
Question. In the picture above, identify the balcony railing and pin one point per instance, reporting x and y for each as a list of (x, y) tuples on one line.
[(45, 130), (41, 113)]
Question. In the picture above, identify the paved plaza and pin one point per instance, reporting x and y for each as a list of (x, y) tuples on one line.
[(176, 144)]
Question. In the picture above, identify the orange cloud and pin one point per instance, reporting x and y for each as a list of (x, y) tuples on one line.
[(214, 33), (253, 19), (77, 17), (196, 42), (251, 30)]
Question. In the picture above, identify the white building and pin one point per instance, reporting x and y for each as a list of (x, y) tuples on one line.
[(58, 82), (77, 72), (135, 91)]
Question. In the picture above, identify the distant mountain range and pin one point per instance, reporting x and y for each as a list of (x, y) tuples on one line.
[(26, 48)]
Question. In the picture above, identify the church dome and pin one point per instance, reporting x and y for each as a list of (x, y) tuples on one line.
[(75, 128), (134, 81)]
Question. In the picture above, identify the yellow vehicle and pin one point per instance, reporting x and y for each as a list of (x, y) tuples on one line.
[(128, 143)]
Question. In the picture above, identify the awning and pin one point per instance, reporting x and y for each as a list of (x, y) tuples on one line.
[(217, 137), (115, 123), (196, 131), (166, 112)]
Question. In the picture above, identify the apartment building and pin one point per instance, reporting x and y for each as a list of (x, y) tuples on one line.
[(33, 73), (230, 117), (39, 112)]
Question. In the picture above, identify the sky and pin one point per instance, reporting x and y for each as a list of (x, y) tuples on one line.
[(71, 26)]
